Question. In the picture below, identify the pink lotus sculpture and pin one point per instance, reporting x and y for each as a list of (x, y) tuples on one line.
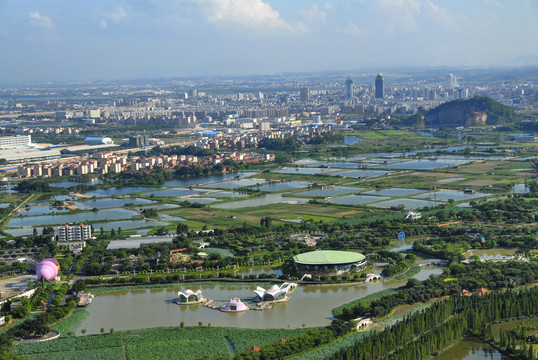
[(234, 305)]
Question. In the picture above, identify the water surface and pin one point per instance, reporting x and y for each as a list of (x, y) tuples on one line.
[(445, 195), (407, 203), (260, 201), (108, 214), (332, 191), (357, 199), (304, 171), (310, 305), (394, 192), (471, 349)]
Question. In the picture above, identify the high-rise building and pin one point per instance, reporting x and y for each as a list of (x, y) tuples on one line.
[(451, 81), (304, 94), (73, 232), (379, 87), (349, 88)]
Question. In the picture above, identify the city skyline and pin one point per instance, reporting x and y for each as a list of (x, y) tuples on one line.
[(161, 39)]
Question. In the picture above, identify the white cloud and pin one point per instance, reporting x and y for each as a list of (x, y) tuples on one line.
[(406, 15), (401, 12), (250, 14), (314, 13), (353, 30), (45, 23), (438, 13), (116, 16)]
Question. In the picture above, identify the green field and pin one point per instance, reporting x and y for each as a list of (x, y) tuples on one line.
[(159, 343), (326, 351), (409, 273)]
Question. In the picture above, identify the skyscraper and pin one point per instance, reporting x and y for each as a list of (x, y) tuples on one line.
[(451, 81), (379, 87), (304, 94), (349, 88)]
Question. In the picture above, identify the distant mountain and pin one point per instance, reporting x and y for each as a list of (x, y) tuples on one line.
[(477, 111)]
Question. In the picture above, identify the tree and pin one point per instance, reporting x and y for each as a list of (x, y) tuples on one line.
[(282, 159), (182, 228)]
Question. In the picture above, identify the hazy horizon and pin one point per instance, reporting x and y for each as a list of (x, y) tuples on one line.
[(113, 40)]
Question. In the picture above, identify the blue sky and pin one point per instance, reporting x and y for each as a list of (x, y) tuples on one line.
[(107, 39)]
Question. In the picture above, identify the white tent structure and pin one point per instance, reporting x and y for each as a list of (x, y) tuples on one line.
[(189, 297), (274, 293)]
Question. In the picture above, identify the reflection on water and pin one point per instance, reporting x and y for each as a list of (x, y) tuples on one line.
[(310, 305), (108, 214), (260, 201), (471, 349)]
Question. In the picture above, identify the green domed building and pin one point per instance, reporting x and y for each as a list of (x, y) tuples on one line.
[(329, 262)]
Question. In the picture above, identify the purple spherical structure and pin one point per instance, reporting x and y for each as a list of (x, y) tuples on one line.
[(47, 269), (53, 260)]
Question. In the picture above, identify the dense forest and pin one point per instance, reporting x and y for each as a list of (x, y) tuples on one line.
[(425, 333), (419, 335), (454, 279)]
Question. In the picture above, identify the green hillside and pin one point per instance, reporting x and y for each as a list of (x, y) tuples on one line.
[(477, 111)]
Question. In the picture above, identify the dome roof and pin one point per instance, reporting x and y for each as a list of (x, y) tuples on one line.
[(328, 257)]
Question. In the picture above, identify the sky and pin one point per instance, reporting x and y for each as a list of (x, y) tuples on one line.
[(133, 39)]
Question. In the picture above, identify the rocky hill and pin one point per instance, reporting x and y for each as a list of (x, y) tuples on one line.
[(470, 112)]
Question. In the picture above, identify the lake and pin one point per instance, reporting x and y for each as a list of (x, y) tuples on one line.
[(110, 203), (304, 171), (394, 192), (309, 304), (357, 199), (175, 192), (445, 195), (260, 201), (411, 204), (208, 179), (471, 349), (107, 214), (279, 186), (332, 191), (360, 173), (235, 184), (67, 184), (424, 164), (117, 191)]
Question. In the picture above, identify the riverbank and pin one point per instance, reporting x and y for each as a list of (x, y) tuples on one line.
[(209, 281)]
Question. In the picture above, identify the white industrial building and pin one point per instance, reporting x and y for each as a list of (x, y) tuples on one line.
[(19, 140)]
